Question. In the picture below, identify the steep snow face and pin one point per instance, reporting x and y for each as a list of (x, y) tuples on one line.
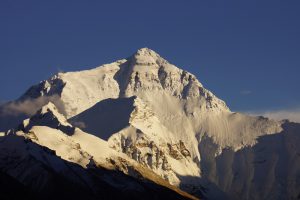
[(163, 117), (152, 144), (147, 72)]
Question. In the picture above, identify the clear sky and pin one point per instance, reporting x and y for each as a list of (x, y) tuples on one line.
[(246, 52)]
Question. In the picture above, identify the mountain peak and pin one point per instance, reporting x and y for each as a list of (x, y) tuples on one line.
[(145, 57), (49, 116), (146, 51), (48, 107)]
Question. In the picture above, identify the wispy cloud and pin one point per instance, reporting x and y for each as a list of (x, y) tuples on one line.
[(291, 115), (29, 106), (79, 124)]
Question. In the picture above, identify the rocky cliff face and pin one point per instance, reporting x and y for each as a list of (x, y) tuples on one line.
[(162, 117)]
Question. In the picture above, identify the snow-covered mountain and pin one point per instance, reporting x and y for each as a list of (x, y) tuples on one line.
[(143, 116)]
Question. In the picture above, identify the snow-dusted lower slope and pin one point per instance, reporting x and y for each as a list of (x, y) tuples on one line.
[(45, 146), (145, 109), (41, 174)]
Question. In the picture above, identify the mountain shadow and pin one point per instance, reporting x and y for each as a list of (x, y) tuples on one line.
[(106, 117), (11, 189)]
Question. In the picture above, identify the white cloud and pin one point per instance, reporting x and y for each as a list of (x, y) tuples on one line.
[(79, 124), (30, 106), (291, 115)]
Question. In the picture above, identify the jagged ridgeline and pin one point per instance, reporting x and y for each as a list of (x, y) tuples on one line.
[(155, 126)]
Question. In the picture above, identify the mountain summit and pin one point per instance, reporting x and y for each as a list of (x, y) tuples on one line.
[(145, 56), (143, 116), (144, 72)]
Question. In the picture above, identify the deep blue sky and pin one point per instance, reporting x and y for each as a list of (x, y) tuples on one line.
[(246, 52)]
